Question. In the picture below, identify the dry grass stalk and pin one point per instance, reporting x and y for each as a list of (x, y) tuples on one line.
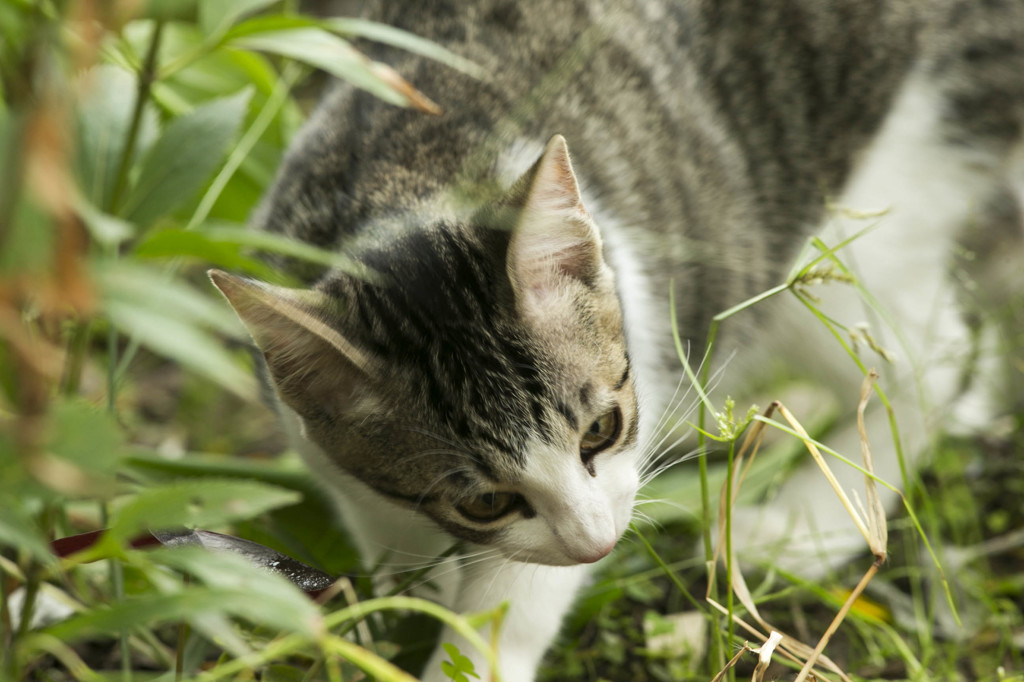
[(878, 531), (344, 586), (789, 647), (732, 661), (764, 656), (861, 524), (870, 522)]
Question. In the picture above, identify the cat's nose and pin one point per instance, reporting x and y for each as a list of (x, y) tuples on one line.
[(598, 554)]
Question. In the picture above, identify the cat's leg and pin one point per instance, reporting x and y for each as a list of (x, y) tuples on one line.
[(538, 598), (928, 190)]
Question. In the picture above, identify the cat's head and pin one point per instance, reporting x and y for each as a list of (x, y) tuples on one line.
[(480, 377)]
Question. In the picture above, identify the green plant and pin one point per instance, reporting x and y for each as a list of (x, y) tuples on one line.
[(135, 138), (459, 668)]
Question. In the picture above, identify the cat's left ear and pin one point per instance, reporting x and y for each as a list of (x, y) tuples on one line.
[(316, 370), (554, 240)]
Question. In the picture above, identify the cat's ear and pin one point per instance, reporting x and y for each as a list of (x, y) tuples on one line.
[(554, 239), (316, 371)]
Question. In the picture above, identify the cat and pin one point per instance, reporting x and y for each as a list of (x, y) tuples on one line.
[(492, 367)]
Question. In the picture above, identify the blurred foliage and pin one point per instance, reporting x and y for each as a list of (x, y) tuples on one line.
[(135, 139)]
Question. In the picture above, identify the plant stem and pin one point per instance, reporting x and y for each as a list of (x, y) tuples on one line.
[(7, 667), (834, 625), (78, 348), (717, 646), (116, 576), (705, 494), (112, 370), (291, 643), (32, 581), (145, 83), (729, 605), (419, 573), (277, 98), (671, 575), (34, 575), (179, 654)]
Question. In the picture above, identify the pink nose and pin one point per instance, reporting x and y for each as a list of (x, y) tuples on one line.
[(598, 555)]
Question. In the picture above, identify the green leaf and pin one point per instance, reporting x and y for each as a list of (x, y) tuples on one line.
[(191, 503), (170, 9), (216, 18), (280, 604), (191, 604), (278, 243), (86, 436), (336, 56), (170, 318), (197, 75), (181, 341), (184, 157), (460, 665), (106, 102), (196, 244), (272, 23), (410, 42), (217, 627), (28, 245), (172, 296), (106, 229), (19, 531), (280, 471), (221, 243), (326, 544)]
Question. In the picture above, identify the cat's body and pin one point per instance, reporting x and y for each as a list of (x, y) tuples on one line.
[(485, 364)]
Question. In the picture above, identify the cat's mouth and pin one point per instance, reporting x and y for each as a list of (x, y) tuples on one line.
[(563, 557), (568, 538)]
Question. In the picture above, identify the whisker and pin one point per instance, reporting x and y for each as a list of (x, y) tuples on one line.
[(428, 434), (436, 481), (497, 572), (640, 517), (459, 565), (436, 451), (660, 500), (656, 451), (668, 409), (651, 475), (424, 560), (653, 448)]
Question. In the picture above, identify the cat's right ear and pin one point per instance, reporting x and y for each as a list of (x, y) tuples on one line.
[(316, 371), (554, 240)]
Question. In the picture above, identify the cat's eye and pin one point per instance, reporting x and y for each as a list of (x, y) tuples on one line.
[(489, 506), (602, 434)]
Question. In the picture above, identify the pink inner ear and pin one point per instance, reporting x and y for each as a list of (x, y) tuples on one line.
[(554, 187), (314, 368), (555, 241), (577, 262)]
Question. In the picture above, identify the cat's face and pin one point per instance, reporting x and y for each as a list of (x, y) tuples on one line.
[(482, 378)]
